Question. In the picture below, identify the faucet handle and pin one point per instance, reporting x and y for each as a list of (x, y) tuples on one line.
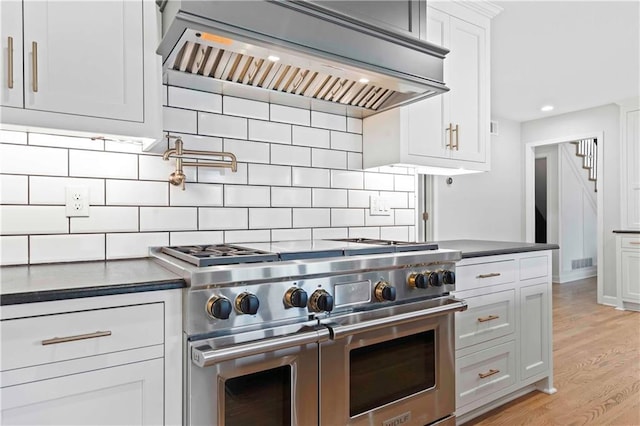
[(178, 178)]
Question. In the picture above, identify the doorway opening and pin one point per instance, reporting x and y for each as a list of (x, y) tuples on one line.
[(541, 199)]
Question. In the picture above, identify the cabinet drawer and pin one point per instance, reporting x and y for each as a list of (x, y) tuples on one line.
[(487, 317), (534, 267), (485, 372), (51, 338), (631, 242), (485, 274)]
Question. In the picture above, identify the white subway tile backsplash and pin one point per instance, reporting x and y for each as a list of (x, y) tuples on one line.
[(330, 233), (290, 115), (347, 179), (347, 217), (290, 234), (269, 132), (370, 232), (290, 155), (248, 152), (404, 183), (412, 233), (378, 220), (328, 159), (196, 194), (396, 200), (261, 174), (405, 216), (33, 220), (329, 197), (247, 196), (317, 178), (66, 248), (14, 189), (308, 136), (346, 141), (222, 125), (311, 218), (231, 237), (412, 200), (378, 181), (153, 167), (354, 161), (168, 219), (245, 108), (397, 170), (106, 219), (33, 160), (179, 120), (354, 125), (8, 136), (14, 250), (269, 218), (41, 139), (194, 99), (397, 233), (52, 190), (200, 143), (125, 146), (290, 197), (360, 199), (124, 246), (103, 164), (216, 175), (223, 218), (328, 121), (137, 193), (196, 237)]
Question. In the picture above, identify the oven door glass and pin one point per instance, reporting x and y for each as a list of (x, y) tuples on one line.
[(391, 370), (262, 398)]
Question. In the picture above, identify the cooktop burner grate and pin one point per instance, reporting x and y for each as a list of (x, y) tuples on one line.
[(219, 254)]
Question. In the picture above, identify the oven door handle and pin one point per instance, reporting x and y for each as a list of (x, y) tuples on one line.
[(205, 356), (341, 331)]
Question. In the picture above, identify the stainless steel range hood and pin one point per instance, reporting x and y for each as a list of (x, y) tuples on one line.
[(295, 53)]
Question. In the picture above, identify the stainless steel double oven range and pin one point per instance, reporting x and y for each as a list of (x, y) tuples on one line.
[(348, 332)]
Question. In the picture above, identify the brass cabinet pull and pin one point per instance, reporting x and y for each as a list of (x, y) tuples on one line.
[(34, 63), (457, 130), (491, 372), (450, 130), (488, 318), (634, 242), (10, 63), (57, 340), (493, 274)]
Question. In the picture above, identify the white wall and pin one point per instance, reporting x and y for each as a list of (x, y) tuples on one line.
[(603, 119), (485, 205), (550, 152)]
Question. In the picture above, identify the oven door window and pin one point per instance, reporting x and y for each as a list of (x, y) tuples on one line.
[(262, 398), (390, 370)]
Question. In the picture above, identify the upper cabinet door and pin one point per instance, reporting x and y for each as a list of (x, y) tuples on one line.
[(11, 70), (467, 78), (84, 58), (400, 16)]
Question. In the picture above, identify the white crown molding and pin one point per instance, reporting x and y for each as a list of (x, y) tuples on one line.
[(629, 102), (483, 7)]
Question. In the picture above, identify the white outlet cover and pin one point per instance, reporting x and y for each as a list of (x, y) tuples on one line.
[(77, 201), (379, 206)]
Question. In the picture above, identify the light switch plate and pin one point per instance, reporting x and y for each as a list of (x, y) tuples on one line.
[(379, 206), (77, 201)]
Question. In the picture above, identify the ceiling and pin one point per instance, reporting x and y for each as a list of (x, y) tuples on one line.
[(570, 54)]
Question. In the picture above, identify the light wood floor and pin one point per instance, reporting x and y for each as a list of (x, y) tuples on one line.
[(596, 355)]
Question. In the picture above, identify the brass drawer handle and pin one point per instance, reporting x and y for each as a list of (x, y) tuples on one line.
[(491, 372), (488, 318), (449, 129), (34, 63), (10, 63), (493, 274), (634, 242), (56, 340), (457, 130)]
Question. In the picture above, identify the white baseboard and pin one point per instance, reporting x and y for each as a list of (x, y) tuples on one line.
[(610, 301), (578, 274)]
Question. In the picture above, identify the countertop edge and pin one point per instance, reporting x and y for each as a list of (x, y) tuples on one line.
[(497, 252), (92, 291)]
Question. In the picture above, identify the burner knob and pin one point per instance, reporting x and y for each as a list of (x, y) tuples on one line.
[(219, 307), (449, 277), (295, 298), (321, 301), (435, 279), (385, 291), (418, 281), (247, 303)]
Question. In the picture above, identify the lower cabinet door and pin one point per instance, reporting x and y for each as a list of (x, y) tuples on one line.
[(630, 275), (535, 330), (130, 394)]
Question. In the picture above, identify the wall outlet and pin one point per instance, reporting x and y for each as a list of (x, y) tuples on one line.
[(77, 201), (379, 206)]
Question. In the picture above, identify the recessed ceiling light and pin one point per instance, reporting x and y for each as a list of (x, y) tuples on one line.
[(547, 108), (364, 80), (273, 58)]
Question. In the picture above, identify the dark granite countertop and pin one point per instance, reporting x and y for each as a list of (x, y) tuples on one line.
[(480, 248), (626, 231), (43, 283)]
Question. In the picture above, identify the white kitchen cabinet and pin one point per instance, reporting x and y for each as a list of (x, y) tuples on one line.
[(100, 360), (11, 70), (630, 165), (449, 131), (628, 270), (89, 68), (504, 338)]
